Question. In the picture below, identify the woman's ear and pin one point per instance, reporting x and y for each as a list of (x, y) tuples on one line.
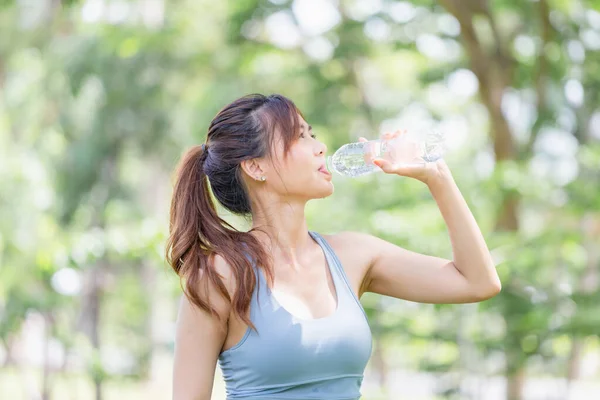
[(253, 169)]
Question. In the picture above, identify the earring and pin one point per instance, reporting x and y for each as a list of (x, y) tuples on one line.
[(263, 178)]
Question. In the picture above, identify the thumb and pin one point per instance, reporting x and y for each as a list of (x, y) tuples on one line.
[(385, 165)]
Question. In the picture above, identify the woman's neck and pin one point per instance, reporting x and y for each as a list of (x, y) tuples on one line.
[(283, 230)]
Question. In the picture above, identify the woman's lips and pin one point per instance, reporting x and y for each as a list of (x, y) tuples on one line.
[(323, 170)]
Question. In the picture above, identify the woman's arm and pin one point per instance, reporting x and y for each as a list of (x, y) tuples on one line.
[(198, 342), (471, 275), (470, 252)]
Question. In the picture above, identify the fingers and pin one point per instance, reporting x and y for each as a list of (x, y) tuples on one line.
[(411, 170)]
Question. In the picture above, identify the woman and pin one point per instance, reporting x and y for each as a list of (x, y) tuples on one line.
[(277, 307)]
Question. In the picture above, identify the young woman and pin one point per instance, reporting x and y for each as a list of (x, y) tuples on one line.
[(278, 307)]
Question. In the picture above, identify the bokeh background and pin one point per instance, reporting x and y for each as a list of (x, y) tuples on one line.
[(99, 99)]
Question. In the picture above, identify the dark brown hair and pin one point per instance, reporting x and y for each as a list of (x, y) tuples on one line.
[(245, 129)]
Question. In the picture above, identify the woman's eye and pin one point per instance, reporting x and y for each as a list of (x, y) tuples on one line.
[(314, 136)]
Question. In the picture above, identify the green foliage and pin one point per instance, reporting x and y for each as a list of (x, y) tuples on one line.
[(94, 114)]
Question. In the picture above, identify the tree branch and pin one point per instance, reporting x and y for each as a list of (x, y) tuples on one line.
[(493, 78), (502, 55), (541, 74), (479, 60)]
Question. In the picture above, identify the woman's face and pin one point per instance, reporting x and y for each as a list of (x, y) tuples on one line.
[(302, 174)]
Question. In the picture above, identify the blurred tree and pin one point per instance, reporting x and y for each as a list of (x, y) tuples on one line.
[(96, 104)]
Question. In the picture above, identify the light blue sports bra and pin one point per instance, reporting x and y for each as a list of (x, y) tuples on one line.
[(293, 358)]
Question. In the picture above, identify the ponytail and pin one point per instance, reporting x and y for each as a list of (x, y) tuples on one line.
[(197, 233)]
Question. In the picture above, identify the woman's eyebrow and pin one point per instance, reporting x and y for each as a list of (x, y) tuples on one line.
[(309, 127)]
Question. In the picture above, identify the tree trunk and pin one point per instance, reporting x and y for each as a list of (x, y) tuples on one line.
[(514, 385), (9, 360), (46, 363), (95, 300), (379, 364), (148, 279), (97, 277), (589, 282), (89, 321), (574, 362)]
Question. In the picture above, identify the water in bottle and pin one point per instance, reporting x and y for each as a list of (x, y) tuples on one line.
[(355, 159)]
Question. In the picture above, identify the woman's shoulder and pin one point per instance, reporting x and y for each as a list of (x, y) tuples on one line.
[(351, 243), (348, 240), (355, 254), (209, 292), (226, 273)]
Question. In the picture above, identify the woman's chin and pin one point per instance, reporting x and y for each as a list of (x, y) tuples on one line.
[(326, 193)]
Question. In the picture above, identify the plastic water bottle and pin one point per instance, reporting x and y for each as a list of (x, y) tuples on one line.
[(355, 159)]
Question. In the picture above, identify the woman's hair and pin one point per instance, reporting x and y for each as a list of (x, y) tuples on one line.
[(243, 130)]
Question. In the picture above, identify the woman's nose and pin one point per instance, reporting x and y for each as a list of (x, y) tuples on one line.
[(322, 148)]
